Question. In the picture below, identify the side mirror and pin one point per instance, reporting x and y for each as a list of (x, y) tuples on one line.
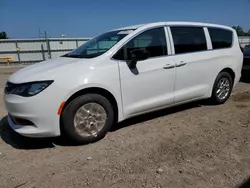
[(137, 55)]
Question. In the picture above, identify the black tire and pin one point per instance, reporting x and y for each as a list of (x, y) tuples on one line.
[(68, 114), (215, 98)]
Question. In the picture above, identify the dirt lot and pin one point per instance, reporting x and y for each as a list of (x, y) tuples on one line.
[(195, 145)]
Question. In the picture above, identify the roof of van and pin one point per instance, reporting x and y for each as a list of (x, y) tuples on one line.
[(174, 23)]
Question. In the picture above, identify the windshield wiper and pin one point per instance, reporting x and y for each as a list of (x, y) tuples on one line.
[(73, 56), (87, 56)]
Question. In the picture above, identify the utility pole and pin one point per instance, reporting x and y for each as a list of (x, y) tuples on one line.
[(39, 33)]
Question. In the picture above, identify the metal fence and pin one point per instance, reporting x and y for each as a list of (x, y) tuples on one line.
[(244, 40), (36, 50)]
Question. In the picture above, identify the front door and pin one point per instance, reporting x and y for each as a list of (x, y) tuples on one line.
[(151, 84)]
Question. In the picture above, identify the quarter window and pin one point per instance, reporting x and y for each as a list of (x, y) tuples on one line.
[(220, 38), (153, 40), (188, 39)]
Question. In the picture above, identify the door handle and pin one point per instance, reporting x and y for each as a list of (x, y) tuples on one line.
[(182, 63), (169, 66)]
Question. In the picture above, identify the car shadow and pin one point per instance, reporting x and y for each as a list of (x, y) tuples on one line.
[(245, 76), (157, 114), (17, 141), (245, 184)]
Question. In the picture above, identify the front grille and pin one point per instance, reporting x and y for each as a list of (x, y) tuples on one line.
[(20, 121)]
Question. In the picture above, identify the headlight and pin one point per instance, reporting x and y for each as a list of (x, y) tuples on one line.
[(26, 89)]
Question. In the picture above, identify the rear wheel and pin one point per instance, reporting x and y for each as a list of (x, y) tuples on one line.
[(87, 118), (222, 88)]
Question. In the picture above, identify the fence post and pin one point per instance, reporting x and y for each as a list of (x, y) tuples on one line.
[(48, 48), (76, 43), (42, 48), (18, 53), (48, 45)]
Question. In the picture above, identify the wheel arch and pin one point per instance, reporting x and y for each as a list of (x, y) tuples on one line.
[(95, 90), (230, 71), (226, 69)]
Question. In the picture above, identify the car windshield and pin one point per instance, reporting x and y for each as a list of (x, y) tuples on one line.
[(98, 45)]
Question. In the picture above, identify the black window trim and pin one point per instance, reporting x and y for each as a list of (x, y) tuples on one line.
[(172, 40), (168, 34), (214, 27), (144, 30)]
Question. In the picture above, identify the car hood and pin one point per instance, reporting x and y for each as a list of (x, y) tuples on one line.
[(46, 70)]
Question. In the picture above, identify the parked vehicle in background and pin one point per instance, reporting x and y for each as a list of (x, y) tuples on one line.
[(246, 52), (124, 73), (246, 62)]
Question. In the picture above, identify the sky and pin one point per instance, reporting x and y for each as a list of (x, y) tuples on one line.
[(88, 18)]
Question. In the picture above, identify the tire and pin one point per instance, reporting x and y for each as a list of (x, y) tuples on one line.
[(78, 106), (215, 98)]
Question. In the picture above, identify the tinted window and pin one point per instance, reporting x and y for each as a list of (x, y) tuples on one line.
[(188, 39), (154, 41), (221, 38)]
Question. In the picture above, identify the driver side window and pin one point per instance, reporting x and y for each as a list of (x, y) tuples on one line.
[(153, 40)]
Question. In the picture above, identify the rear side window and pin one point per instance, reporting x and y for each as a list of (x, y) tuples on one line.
[(188, 39), (221, 38)]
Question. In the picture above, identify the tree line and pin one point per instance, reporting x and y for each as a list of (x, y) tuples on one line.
[(3, 35), (239, 30)]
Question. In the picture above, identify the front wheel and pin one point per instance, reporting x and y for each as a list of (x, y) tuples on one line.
[(87, 118), (222, 88)]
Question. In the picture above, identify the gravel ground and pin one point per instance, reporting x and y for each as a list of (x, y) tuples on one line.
[(193, 145)]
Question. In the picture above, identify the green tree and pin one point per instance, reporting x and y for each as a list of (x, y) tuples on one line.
[(248, 33), (3, 35), (239, 30)]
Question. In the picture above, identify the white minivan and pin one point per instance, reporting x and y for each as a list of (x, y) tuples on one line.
[(123, 73)]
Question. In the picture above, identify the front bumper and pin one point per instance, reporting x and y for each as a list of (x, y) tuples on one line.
[(39, 113)]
